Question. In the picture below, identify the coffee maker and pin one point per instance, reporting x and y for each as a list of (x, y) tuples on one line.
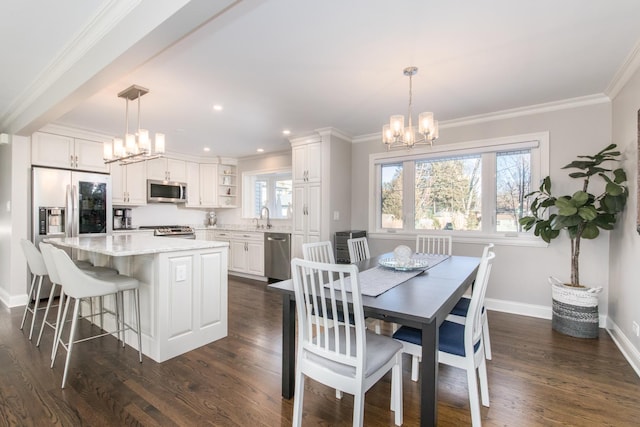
[(122, 218)]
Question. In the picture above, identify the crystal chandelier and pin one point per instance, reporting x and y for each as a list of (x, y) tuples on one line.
[(134, 147), (396, 135)]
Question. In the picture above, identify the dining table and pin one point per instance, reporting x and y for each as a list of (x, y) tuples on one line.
[(423, 301)]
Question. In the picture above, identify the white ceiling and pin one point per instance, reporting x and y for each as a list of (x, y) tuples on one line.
[(304, 65)]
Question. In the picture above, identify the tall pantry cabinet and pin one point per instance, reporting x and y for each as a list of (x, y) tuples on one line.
[(321, 187)]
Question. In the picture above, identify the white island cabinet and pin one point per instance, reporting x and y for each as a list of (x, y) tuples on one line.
[(183, 287)]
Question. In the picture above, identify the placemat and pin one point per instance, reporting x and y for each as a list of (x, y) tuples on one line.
[(378, 280)]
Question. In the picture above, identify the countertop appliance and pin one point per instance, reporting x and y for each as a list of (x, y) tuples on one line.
[(68, 203), (277, 256), (166, 192), (181, 231), (122, 219)]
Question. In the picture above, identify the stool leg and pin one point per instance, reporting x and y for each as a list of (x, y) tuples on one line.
[(35, 306), (63, 320), (58, 328), (46, 313), (74, 324), (26, 308), (136, 294)]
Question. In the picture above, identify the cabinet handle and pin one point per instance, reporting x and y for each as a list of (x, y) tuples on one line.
[(76, 161), (71, 160)]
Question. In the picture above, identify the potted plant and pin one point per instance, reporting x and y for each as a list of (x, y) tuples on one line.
[(582, 215)]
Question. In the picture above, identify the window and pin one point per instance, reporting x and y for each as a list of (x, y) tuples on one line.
[(448, 194), (475, 187), (270, 189)]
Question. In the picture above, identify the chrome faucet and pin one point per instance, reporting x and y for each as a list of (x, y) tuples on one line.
[(264, 208)]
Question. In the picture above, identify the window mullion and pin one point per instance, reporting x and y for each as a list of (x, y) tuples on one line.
[(488, 186), (409, 195)]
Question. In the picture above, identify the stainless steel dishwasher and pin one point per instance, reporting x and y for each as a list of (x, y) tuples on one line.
[(277, 256)]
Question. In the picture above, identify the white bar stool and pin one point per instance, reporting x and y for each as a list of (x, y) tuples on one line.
[(39, 271), (78, 285)]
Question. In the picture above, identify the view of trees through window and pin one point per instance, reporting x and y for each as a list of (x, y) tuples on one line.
[(513, 183), (448, 193), (392, 196)]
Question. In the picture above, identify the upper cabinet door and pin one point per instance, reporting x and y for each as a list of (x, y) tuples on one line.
[(52, 150), (164, 169), (66, 152), (307, 162), (88, 156)]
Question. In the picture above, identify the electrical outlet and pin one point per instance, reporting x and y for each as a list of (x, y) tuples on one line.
[(636, 329), (181, 273)]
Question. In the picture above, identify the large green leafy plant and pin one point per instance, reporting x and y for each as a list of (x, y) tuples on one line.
[(582, 214)]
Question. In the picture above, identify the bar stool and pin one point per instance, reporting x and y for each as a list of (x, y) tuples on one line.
[(39, 271), (78, 285), (85, 266)]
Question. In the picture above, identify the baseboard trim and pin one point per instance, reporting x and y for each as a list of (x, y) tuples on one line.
[(625, 345), (12, 301), (544, 312)]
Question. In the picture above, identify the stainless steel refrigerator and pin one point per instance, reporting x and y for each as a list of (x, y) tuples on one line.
[(69, 204)]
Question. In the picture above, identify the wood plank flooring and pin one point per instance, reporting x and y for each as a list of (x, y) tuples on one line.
[(536, 378)]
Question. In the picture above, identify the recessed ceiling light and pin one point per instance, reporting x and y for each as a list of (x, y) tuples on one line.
[(260, 150), (217, 107), (286, 132), (207, 149)]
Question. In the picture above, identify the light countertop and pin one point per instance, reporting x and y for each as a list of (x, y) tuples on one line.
[(133, 244)]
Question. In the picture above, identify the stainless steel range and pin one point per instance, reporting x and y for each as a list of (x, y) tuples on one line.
[(181, 231)]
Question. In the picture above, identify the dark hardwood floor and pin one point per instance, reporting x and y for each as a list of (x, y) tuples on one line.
[(536, 378)]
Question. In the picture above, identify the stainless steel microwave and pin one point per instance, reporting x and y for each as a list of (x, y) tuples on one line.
[(166, 192)]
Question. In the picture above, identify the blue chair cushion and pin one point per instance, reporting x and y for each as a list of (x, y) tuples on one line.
[(451, 337), (462, 307)]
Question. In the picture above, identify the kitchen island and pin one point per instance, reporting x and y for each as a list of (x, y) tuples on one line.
[(183, 287)]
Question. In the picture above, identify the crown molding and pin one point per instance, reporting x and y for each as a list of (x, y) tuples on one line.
[(507, 114), (96, 28), (628, 68)]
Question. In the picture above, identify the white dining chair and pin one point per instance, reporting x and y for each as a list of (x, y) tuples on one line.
[(459, 313), (319, 252), (460, 345), (358, 249), (345, 356), (39, 271), (78, 285), (434, 244)]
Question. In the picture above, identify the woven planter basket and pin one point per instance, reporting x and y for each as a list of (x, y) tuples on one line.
[(575, 310)]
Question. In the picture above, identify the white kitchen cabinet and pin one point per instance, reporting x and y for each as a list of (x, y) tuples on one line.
[(307, 195), (227, 186), (201, 182), (201, 234), (208, 180), (246, 251), (307, 200), (321, 191), (223, 236), (128, 184), (66, 152), (166, 169), (307, 162)]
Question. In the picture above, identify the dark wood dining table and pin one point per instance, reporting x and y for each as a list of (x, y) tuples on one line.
[(422, 302)]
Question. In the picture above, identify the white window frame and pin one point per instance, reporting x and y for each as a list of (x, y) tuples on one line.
[(248, 179), (537, 142)]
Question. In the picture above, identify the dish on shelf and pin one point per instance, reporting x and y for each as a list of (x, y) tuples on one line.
[(411, 265)]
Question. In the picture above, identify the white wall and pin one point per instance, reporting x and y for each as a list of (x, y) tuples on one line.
[(520, 273), (14, 219), (624, 277)]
